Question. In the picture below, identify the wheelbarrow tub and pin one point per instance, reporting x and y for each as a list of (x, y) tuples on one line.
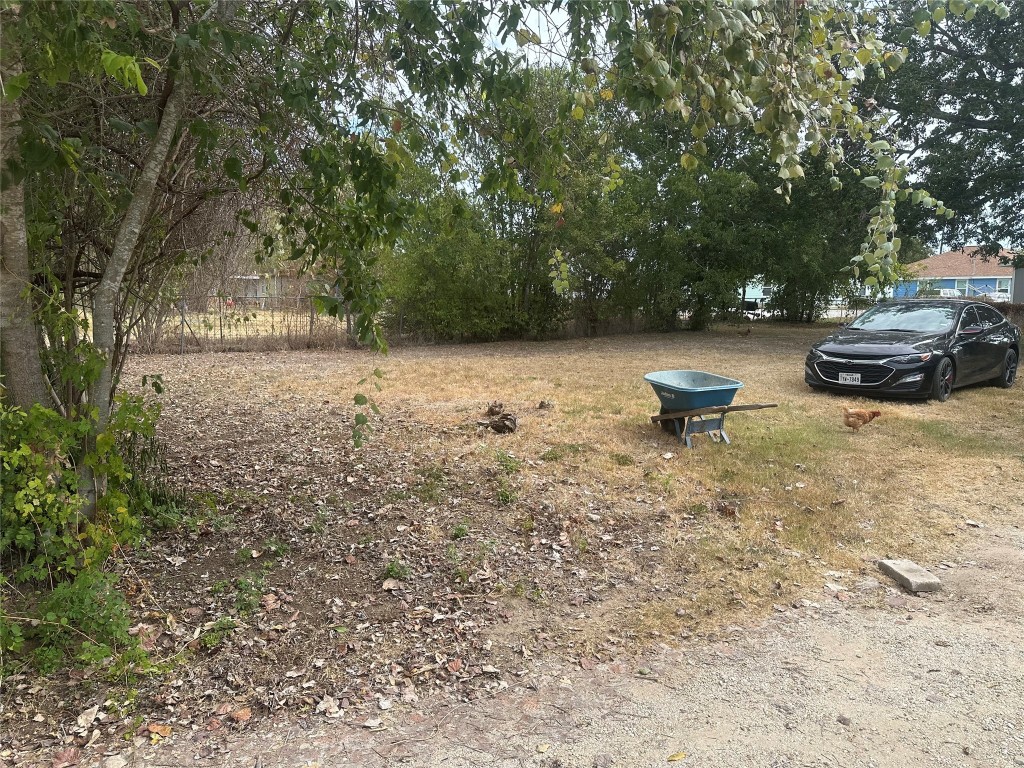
[(689, 390)]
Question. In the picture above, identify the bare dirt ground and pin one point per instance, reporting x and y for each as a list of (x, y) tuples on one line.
[(883, 680), (582, 590)]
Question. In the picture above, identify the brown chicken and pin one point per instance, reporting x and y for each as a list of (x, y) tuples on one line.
[(855, 418)]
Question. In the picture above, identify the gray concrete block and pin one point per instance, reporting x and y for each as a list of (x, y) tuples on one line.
[(910, 575)]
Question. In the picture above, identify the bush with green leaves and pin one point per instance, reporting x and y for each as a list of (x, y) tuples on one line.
[(55, 542)]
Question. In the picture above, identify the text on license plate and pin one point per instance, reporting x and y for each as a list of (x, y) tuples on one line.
[(849, 378)]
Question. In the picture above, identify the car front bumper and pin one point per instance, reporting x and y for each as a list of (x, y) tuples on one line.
[(889, 379)]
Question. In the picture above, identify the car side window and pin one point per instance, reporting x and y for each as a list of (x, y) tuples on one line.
[(969, 318), (988, 317)]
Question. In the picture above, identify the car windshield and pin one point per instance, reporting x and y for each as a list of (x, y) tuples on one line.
[(911, 318)]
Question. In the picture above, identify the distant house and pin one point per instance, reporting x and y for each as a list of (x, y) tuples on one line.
[(754, 298), (964, 271)]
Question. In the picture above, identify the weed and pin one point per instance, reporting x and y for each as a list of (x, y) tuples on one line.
[(659, 480), (396, 570), (622, 459), (86, 619), (318, 525), (508, 463), (248, 591), (484, 550), (219, 632), (451, 554), (528, 524), (432, 486), (460, 531), (559, 452), (276, 548), (136, 723), (506, 493)]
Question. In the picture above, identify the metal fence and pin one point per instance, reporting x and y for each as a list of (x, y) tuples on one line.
[(242, 324)]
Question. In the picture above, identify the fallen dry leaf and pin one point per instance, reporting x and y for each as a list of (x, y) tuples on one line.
[(159, 729), (148, 634), (66, 758), (86, 718), (676, 757), (241, 715)]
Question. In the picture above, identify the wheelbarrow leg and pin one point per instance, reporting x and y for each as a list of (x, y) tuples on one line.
[(721, 431)]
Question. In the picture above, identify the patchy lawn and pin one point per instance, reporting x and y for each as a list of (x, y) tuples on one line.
[(442, 557)]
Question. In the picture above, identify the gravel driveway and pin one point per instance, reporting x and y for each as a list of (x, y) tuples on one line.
[(858, 674)]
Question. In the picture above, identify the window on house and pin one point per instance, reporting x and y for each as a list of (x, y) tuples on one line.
[(961, 285), (1003, 285)]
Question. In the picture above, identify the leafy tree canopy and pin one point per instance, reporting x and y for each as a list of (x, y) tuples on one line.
[(959, 115)]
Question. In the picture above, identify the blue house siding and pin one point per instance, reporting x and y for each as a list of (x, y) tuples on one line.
[(969, 286)]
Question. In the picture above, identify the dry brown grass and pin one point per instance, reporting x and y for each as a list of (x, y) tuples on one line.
[(684, 543)]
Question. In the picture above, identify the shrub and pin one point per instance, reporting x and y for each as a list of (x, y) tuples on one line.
[(55, 542)]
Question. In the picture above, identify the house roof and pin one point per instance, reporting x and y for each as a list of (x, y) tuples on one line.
[(962, 263)]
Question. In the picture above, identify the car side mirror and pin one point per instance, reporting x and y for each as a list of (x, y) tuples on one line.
[(971, 330)]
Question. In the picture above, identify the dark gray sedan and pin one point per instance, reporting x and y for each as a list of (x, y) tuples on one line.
[(917, 348)]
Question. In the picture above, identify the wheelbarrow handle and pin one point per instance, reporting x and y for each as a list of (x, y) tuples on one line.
[(712, 409)]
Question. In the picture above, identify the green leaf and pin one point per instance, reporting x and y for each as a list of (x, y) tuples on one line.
[(360, 399), (14, 86), (233, 169), (689, 162)]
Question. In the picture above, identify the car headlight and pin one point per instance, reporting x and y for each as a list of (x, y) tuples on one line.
[(815, 355), (906, 359)]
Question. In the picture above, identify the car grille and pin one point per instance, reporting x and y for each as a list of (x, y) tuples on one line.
[(829, 370)]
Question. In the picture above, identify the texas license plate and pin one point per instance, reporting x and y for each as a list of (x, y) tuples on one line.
[(849, 378)]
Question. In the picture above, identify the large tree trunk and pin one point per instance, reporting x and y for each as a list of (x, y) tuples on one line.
[(19, 336)]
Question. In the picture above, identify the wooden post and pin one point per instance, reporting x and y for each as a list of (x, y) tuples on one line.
[(181, 306), (312, 320)]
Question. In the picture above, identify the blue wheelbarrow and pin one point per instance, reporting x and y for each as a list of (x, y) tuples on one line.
[(696, 402)]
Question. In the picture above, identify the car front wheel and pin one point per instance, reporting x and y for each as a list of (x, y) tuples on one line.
[(1009, 370), (942, 381)]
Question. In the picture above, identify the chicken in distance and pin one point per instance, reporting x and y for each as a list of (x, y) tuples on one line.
[(855, 418)]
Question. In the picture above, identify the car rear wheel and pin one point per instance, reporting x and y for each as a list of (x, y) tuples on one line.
[(1009, 370), (943, 379)]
